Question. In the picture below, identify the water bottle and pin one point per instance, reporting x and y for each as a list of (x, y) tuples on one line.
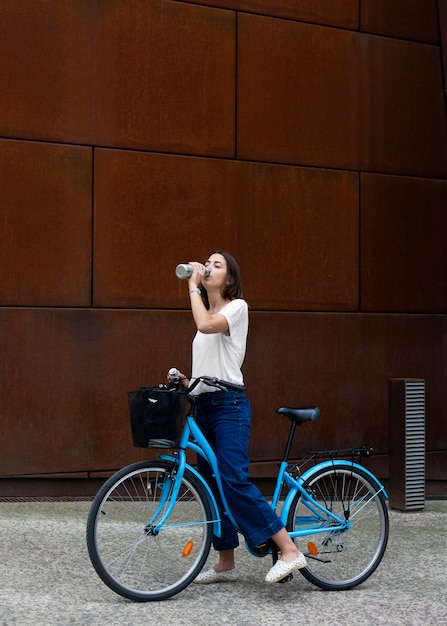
[(184, 270)]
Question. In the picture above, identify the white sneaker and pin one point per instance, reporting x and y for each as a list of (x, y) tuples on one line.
[(281, 569), (209, 577)]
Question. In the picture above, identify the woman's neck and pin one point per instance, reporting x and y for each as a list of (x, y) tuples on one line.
[(216, 302)]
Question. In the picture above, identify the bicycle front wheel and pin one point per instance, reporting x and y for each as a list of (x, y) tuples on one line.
[(130, 553), (339, 560)]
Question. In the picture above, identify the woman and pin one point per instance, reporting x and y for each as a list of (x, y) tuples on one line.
[(221, 318)]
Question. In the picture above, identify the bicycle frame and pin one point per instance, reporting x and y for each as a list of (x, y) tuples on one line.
[(200, 445), (320, 513)]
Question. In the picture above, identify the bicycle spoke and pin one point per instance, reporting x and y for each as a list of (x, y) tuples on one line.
[(342, 558), (134, 556)]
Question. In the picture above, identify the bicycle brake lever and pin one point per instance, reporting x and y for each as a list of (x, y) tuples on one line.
[(219, 385), (213, 382)]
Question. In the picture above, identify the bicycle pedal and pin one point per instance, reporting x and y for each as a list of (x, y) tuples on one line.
[(287, 579), (262, 549)]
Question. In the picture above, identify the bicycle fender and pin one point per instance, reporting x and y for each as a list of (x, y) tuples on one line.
[(337, 462), (217, 530)]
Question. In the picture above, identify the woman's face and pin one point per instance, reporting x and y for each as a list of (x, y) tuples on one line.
[(218, 271)]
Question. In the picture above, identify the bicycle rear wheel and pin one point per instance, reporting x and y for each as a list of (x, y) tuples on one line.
[(339, 560), (130, 555)]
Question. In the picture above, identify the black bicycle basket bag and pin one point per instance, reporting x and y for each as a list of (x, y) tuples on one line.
[(156, 416)]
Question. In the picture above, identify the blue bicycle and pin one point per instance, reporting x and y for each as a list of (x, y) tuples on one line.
[(150, 526)]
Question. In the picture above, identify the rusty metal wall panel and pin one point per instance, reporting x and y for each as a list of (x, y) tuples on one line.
[(416, 20), (342, 363), (65, 374), (167, 77), (155, 75), (344, 13), (163, 76), (45, 230), (403, 252), (298, 93), (332, 98), (293, 230), (404, 127), (48, 64)]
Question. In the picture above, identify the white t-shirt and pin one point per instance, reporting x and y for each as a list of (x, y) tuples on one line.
[(221, 354)]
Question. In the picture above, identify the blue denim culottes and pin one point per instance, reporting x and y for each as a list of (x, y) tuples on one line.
[(224, 417)]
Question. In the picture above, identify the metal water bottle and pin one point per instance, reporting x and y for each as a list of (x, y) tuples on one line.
[(184, 270)]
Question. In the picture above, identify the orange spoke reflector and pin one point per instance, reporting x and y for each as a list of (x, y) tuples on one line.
[(313, 550), (187, 548)]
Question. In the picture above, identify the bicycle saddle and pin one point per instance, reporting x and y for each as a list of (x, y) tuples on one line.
[(301, 414)]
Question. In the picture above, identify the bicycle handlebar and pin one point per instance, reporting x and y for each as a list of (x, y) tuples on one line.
[(212, 381)]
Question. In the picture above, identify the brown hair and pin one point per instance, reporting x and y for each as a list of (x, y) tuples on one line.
[(233, 288)]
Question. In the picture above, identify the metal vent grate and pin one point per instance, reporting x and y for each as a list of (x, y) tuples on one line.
[(415, 444), (407, 443)]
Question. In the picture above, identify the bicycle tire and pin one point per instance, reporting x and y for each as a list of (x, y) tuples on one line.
[(342, 560), (127, 555)]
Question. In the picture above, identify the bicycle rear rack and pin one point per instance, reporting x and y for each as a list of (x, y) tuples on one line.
[(351, 455)]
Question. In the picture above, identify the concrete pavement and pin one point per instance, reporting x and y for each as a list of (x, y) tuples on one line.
[(46, 579)]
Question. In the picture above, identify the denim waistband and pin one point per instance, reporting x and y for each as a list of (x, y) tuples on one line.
[(229, 393)]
